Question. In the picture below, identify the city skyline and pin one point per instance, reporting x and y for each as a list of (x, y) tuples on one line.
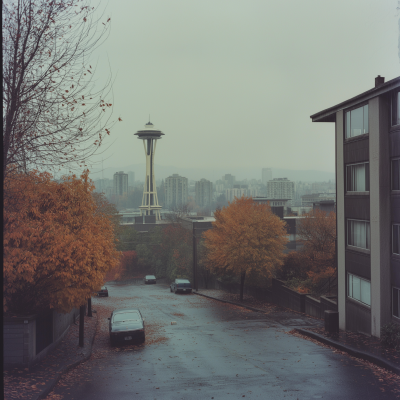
[(214, 174), (233, 84)]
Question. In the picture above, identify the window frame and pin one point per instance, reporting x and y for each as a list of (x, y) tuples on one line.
[(392, 176), (367, 178), (398, 237), (394, 288), (348, 112), (366, 238), (352, 289)]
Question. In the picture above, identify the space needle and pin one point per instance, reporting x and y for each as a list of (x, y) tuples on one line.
[(150, 200)]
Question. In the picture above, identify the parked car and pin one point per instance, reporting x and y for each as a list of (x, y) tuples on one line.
[(181, 285), (126, 325), (103, 292), (149, 279)]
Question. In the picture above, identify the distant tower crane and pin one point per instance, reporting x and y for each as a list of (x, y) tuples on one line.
[(150, 200)]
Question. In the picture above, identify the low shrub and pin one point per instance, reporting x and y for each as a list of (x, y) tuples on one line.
[(390, 335), (299, 285)]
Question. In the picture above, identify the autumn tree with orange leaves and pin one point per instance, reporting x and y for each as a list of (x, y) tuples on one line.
[(125, 267), (316, 261), (54, 112), (57, 244), (246, 237), (317, 230)]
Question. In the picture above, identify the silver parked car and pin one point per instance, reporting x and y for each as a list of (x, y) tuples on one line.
[(181, 285)]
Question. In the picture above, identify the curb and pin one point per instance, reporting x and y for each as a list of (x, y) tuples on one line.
[(356, 353), (231, 302), (48, 388)]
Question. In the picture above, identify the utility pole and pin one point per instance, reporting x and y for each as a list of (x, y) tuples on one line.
[(198, 227), (194, 260), (81, 325), (89, 312)]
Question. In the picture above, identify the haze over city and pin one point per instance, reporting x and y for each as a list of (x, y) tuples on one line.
[(233, 84), (201, 199)]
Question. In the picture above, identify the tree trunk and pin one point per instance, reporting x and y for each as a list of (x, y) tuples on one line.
[(242, 277), (81, 325)]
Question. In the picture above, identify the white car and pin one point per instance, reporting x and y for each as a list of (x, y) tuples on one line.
[(149, 279)]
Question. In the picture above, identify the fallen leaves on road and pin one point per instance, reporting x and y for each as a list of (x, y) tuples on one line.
[(178, 314)]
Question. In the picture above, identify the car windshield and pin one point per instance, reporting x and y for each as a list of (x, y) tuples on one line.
[(183, 285), (150, 277), (129, 316)]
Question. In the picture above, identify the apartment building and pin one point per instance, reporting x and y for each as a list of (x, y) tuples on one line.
[(120, 183), (176, 191), (280, 188), (367, 139), (266, 175), (203, 193)]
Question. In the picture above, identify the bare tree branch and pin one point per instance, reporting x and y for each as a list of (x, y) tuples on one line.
[(54, 112)]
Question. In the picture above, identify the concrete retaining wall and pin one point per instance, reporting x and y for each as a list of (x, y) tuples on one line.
[(19, 338), (313, 307), (285, 297)]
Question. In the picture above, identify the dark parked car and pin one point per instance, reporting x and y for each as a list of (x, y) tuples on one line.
[(149, 279), (103, 292), (126, 325), (181, 285)]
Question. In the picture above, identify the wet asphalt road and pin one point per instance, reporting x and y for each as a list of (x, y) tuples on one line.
[(214, 351)]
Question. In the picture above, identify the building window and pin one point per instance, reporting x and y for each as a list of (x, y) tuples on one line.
[(359, 289), (396, 174), (357, 122), (396, 108), (358, 234), (396, 239), (357, 177)]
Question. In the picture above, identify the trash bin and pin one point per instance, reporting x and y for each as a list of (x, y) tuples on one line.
[(331, 321)]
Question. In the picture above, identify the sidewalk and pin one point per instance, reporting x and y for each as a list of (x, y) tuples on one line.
[(355, 344), (38, 382)]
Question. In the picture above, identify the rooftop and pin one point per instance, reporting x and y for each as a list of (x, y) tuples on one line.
[(329, 114)]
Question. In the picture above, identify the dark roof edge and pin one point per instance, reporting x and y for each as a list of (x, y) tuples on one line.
[(328, 115)]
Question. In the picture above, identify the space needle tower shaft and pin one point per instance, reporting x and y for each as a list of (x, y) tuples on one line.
[(150, 204)]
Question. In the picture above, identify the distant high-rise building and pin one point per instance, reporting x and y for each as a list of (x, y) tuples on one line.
[(239, 191), (230, 194), (280, 188), (120, 184), (102, 184), (131, 178), (203, 192), (228, 180), (266, 175), (176, 191)]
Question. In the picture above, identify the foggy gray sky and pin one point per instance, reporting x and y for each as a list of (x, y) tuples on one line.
[(233, 83)]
